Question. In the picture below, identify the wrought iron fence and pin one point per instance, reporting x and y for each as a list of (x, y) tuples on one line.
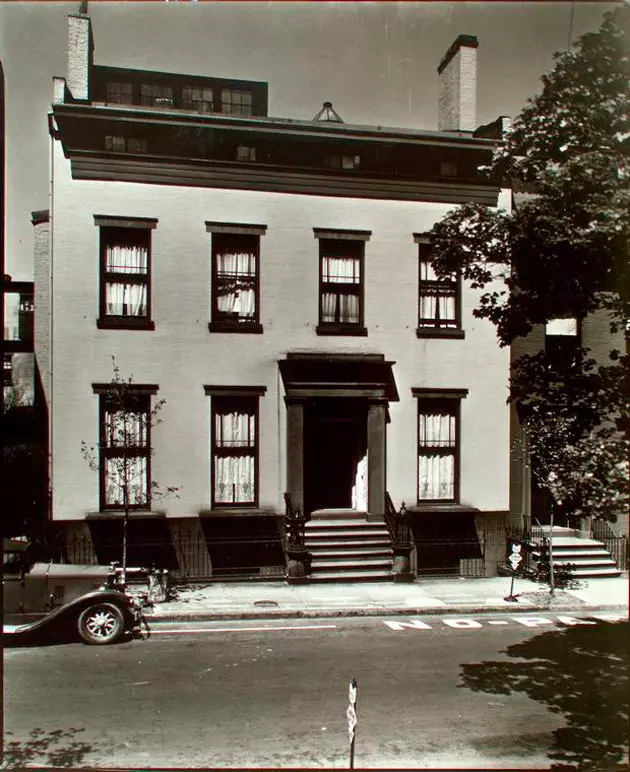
[(398, 525), (615, 544), (188, 558), (451, 558)]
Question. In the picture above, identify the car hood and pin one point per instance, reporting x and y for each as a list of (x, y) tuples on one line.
[(71, 571)]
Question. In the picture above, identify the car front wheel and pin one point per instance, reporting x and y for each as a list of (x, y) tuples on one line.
[(102, 623)]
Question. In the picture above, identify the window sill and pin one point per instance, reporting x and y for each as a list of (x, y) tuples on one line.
[(441, 507), (440, 332), (251, 328), (247, 511), (353, 330), (124, 323), (118, 514)]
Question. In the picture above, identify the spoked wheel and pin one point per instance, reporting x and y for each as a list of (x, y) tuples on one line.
[(102, 623)]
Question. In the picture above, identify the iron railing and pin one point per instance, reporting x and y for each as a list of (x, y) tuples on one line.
[(615, 544), (398, 525), (294, 525)]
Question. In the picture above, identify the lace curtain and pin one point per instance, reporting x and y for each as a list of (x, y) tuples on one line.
[(436, 302), (341, 305), (236, 284), (234, 473), (128, 472), (125, 429), (436, 471), (126, 298)]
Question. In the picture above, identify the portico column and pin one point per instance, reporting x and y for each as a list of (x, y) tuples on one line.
[(295, 452), (376, 459)]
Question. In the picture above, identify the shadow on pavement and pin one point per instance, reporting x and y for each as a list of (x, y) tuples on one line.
[(580, 673), (57, 748)]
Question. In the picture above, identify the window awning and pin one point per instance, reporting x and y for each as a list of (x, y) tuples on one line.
[(360, 375)]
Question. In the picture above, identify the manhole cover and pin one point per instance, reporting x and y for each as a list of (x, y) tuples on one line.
[(265, 603)]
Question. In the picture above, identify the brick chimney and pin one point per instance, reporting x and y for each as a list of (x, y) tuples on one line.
[(80, 53), (457, 86)]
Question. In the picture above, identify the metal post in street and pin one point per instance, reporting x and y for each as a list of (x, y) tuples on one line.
[(351, 713), (515, 558)]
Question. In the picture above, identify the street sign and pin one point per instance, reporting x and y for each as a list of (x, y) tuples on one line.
[(515, 557)]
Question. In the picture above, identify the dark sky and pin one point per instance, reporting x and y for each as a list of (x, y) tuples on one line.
[(376, 61)]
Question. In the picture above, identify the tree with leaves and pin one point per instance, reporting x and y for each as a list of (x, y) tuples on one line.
[(562, 253), (123, 452)]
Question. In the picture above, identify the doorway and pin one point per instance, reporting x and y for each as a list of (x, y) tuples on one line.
[(335, 446)]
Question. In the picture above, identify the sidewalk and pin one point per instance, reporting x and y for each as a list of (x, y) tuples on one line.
[(266, 600)]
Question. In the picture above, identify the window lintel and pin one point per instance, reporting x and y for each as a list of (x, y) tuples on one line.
[(234, 391), (251, 229), (116, 221), (423, 393), (338, 233), (132, 388)]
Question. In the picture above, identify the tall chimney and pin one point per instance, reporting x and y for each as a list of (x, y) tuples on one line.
[(457, 86), (80, 52)]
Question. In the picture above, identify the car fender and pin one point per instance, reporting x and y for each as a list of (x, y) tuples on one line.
[(124, 602)]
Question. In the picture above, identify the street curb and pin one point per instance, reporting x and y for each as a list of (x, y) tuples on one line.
[(213, 616)]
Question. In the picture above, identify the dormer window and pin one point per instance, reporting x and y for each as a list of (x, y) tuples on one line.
[(152, 95), (236, 102), (119, 93), (199, 99)]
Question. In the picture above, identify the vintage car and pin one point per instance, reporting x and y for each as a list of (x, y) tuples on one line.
[(88, 599)]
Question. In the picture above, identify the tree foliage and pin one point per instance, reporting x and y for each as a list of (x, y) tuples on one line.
[(562, 252)]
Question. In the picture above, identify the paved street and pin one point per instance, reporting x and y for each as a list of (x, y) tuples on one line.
[(274, 693)]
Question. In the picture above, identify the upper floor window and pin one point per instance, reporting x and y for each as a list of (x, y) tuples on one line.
[(562, 341), (119, 92), (125, 446), (119, 144), (438, 444), (125, 281), (236, 101), (245, 153), (234, 445), (341, 285), (156, 96), (197, 98), (235, 283), (345, 162), (439, 300)]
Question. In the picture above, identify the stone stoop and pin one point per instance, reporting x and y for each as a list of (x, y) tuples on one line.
[(589, 556), (344, 546)]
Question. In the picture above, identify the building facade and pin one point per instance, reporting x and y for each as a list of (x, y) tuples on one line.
[(270, 280)]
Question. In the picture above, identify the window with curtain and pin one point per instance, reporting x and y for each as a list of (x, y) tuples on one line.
[(438, 428), (125, 276), (341, 277), (236, 101), (125, 451), (235, 280), (438, 299), (234, 451)]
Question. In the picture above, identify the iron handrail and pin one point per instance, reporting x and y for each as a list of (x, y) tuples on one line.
[(294, 525), (398, 524)]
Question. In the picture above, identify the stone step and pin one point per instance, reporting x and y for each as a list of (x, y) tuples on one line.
[(351, 564), (594, 572), (355, 533), (320, 525), (377, 552), (568, 553), (338, 514), (562, 541), (348, 544), (352, 576), (579, 562)]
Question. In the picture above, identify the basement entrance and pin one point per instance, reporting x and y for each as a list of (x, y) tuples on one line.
[(335, 454)]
